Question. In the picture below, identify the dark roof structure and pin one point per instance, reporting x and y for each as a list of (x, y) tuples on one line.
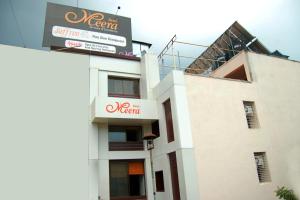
[(279, 54), (235, 39)]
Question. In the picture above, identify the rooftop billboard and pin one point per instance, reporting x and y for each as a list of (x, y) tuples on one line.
[(87, 30)]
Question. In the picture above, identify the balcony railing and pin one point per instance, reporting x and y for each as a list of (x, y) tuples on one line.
[(126, 146), (129, 198), (133, 96)]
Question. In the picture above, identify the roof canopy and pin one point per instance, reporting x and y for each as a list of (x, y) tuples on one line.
[(236, 38)]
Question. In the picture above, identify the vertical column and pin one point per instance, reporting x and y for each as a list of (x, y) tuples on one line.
[(181, 114), (93, 179), (148, 176), (186, 163), (187, 174), (93, 128), (103, 84), (149, 75), (103, 167), (93, 140), (103, 170), (93, 83)]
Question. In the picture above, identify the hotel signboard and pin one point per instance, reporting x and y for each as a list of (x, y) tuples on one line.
[(122, 108), (87, 30)]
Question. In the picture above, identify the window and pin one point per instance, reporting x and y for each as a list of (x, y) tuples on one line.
[(262, 167), (159, 180), (127, 179), (174, 175), (251, 116), (169, 121), (123, 87), (125, 138), (155, 128)]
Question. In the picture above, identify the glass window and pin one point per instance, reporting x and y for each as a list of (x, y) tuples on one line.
[(125, 138), (123, 87), (117, 136), (127, 178), (118, 178)]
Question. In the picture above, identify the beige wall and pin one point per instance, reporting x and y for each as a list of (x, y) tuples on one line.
[(234, 63), (223, 143)]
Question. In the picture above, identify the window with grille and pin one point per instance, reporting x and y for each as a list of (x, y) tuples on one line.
[(251, 115), (262, 167)]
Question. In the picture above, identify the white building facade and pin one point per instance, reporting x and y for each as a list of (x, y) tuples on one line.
[(217, 145), (113, 111), (216, 137)]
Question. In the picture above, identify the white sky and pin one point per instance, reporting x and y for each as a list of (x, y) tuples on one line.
[(276, 23)]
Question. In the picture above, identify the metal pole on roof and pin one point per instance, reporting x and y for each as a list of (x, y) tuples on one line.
[(173, 55), (178, 59), (167, 47), (231, 44)]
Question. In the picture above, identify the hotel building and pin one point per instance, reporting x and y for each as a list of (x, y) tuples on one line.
[(76, 126)]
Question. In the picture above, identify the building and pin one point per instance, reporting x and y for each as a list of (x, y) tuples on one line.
[(202, 119), (245, 132), (75, 127)]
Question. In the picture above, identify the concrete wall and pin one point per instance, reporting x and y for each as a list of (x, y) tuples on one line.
[(173, 88), (223, 143), (235, 62), (44, 124)]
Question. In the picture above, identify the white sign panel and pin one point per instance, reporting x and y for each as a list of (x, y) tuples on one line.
[(123, 108)]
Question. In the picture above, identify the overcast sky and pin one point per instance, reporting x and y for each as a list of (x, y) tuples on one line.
[(276, 23)]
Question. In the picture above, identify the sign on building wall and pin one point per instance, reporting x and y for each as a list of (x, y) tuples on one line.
[(123, 107), (71, 27), (119, 108)]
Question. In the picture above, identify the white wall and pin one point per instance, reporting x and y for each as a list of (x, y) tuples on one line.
[(101, 68), (115, 65), (223, 143), (44, 123), (173, 88)]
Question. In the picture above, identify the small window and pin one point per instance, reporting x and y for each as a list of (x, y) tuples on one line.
[(174, 175), (159, 180), (262, 167), (155, 128), (169, 120), (125, 138), (251, 116), (123, 87)]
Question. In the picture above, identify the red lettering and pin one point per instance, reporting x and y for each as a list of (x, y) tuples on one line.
[(125, 108)]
